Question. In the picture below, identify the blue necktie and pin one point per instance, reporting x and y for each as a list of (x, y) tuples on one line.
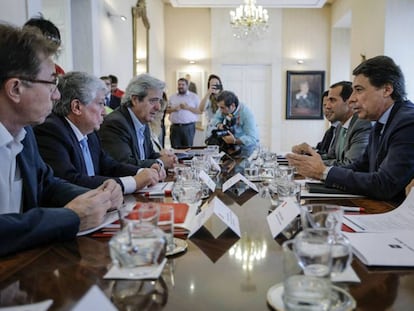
[(141, 139), (87, 157)]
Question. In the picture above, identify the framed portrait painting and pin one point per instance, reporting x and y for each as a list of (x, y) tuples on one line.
[(303, 94)]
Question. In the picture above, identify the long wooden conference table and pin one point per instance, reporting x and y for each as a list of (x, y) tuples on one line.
[(227, 273)]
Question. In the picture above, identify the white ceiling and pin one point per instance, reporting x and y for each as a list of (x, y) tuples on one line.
[(235, 3)]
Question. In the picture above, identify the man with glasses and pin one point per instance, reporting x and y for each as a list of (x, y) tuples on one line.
[(77, 155), (125, 133), (27, 91)]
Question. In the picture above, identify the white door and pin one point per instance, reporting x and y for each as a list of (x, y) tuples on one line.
[(252, 85)]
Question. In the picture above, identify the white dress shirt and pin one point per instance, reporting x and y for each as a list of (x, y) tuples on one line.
[(11, 183)]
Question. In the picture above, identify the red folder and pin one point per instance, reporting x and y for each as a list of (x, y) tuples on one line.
[(180, 210)]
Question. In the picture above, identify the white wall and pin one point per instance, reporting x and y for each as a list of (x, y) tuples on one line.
[(399, 18), (306, 35)]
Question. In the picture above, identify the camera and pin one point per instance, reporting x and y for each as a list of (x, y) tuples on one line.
[(220, 133), (217, 87)]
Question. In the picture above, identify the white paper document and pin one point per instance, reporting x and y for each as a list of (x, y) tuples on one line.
[(218, 208), (283, 216), (94, 299), (238, 177), (108, 219), (139, 273), (39, 306), (160, 189), (384, 249), (399, 219), (306, 194)]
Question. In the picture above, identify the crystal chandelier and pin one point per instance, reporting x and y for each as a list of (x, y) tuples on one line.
[(249, 21)]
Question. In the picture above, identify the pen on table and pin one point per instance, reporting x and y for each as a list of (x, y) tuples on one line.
[(353, 209)]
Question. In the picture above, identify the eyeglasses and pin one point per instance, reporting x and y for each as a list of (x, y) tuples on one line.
[(54, 82), (155, 100)]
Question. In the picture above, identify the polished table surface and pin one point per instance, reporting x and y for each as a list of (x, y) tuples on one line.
[(227, 273)]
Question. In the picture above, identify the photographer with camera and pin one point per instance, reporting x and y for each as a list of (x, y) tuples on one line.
[(209, 101), (235, 126)]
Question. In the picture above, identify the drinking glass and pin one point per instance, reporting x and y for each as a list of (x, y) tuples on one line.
[(313, 249), (329, 217), (166, 224), (287, 171), (187, 191), (302, 292), (138, 244), (288, 189), (266, 174)]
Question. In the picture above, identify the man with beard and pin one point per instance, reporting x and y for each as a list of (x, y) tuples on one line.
[(182, 130)]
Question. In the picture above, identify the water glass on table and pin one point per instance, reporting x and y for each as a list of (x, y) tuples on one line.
[(140, 242), (288, 189), (329, 217), (166, 224), (300, 291)]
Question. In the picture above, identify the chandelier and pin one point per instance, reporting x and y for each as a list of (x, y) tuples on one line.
[(249, 21)]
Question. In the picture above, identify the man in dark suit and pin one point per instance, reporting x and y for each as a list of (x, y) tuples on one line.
[(352, 134), (125, 134), (27, 88), (387, 164), (110, 100), (75, 117)]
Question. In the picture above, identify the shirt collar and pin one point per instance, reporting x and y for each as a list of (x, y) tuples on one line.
[(384, 118), (7, 138), (76, 131), (346, 124), (139, 127)]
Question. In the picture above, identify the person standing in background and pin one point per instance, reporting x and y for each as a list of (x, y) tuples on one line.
[(183, 110), (111, 100), (115, 91), (50, 31), (209, 101), (192, 87)]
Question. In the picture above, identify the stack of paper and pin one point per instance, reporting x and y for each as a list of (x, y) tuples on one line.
[(384, 239)]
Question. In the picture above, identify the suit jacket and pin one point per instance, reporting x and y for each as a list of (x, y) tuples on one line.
[(394, 161), (119, 139), (356, 141), (114, 101), (66, 158), (39, 225)]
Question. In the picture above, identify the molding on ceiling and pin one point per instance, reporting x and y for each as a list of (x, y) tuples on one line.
[(234, 3)]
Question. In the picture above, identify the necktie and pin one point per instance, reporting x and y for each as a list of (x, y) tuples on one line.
[(374, 146), (87, 157), (341, 140), (107, 101), (141, 139)]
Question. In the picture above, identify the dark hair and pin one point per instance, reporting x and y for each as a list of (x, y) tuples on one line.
[(114, 79), (48, 29), (183, 80), (211, 77), (22, 51), (229, 98), (324, 94), (381, 70), (346, 89)]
